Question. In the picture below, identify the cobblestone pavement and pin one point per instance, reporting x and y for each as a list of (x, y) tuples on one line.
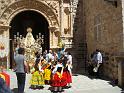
[(81, 84)]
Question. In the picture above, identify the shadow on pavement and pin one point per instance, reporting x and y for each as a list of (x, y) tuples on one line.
[(122, 91), (94, 76), (52, 90), (74, 74), (113, 82), (102, 77), (15, 90)]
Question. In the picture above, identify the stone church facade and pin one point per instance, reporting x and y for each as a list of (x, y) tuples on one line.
[(58, 18)]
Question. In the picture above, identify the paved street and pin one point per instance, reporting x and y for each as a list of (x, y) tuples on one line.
[(81, 84)]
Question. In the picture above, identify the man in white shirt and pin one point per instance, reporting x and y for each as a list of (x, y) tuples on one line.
[(99, 57), (98, 62)]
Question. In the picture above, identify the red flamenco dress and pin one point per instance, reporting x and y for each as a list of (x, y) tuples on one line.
[(58, 79), (68, 75)]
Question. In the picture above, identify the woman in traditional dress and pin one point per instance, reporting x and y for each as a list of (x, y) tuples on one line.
[(37, 80), (58, 79), (47, 73), (68, 77), (68, 69)]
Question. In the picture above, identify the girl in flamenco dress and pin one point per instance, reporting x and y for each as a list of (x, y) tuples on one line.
[(37, 80), (58, 79), (47, 73), (68, 69)]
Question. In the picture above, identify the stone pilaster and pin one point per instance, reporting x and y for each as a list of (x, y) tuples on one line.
[(4, 45), (61, 17)]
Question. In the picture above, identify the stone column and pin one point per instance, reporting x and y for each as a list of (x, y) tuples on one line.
[(4, 46), (52, 36), (71, 18)]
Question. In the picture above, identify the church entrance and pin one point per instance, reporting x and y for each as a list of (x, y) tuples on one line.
[(29, 19)]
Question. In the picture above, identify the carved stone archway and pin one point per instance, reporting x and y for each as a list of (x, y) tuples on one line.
[(34, 5), (17, 7), (41, 7)]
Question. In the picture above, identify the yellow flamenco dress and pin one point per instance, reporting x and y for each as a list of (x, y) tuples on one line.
[(37, 79), (47, 74)]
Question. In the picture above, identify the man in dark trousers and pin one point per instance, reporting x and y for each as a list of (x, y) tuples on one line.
[(98, 63), (21, 68)]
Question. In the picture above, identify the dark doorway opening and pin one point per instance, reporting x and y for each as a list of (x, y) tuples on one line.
[(26, 19)]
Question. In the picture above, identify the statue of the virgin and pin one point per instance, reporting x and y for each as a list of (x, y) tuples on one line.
[(29, 40)]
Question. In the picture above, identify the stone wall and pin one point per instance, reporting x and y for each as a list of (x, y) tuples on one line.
[(104, 31), (98, 24), (79, 48)]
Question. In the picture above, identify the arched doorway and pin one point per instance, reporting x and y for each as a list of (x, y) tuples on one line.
[(26, 19)]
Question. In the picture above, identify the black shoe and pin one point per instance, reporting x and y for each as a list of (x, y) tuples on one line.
[(33, 87), (61, 90), (53, 91), (40, 87), (69, 86), (65, 87)]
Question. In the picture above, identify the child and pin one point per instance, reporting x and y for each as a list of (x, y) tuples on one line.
[(37, 80), (58, 79), (47, 74), (68, 76)]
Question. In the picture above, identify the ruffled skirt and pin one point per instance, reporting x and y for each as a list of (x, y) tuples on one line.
[(37, 78), (58, 81)]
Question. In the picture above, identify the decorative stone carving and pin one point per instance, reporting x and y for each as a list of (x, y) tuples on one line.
[(57, 33), (67, 11), (9, 11), (52, 29), (50, 9), (54, 5), (3, 6), (74, 9), (66, 30), (2, 23), (4, 45), (38, 6), (4, 3)]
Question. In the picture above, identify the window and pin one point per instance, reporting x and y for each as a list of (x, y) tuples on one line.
[(97, 27)]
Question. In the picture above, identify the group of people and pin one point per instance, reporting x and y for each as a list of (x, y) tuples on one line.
[(95, 63), (49, 68)]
